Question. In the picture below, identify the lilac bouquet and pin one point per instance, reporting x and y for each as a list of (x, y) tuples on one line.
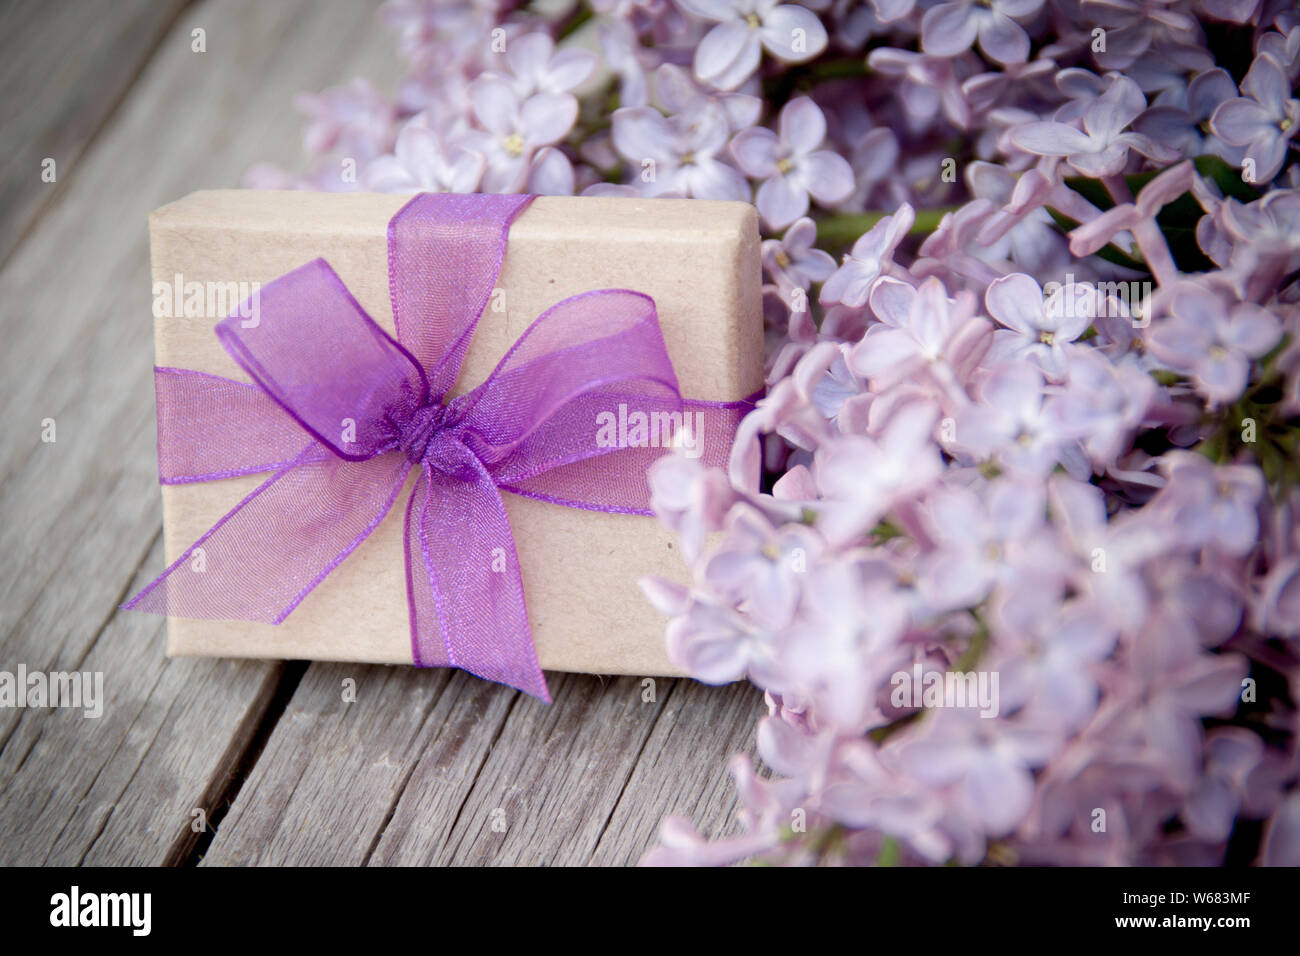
[(1013, 543)]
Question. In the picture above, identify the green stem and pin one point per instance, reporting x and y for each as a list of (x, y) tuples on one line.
[(843, 229)]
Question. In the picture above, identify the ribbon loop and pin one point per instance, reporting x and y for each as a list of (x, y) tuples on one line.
[(317, 353)]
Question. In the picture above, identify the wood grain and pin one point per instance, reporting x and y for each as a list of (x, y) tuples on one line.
[(78, 515), (65, 67)]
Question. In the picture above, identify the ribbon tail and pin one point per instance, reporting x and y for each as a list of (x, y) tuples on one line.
[(211, 427), (465, 592), (268, 552)]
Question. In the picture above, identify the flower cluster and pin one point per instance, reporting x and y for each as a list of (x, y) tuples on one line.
[(1012, 544)]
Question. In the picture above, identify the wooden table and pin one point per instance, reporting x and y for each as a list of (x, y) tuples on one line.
[(240, 762)]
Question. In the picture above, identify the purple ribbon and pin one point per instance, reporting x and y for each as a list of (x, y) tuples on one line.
[(340, 413)]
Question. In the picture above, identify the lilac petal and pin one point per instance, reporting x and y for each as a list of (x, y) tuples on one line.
[(1091, 236), (1148, 147), (388, 175), (882, 350), (829, 177), (714, 180), (552, 174), (802, 125), (1267, 84), (728, 55), (527, 55), (1223, 379), (787, 22), (1015, 386), (1120, 105), (799, 238), (640, 133), (1108, 162), (495, 105), (887, 11), (1050, 139), (754, 150), (1252, 330), (570, 69), (1208, 90), (1282, 841), (718, 10), (1169, 125), (1003, 39), (999, 795), (817, 265), (466, 171), (891, 301), (547, 118), (948, 29), (1017, 302), (1238, 122), (1268, 153), (780, 202)]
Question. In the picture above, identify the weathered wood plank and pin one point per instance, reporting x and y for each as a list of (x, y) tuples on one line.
[(64, 68), (77, 515), (544, 791), (323, 789), (115, 789), (425, 770), (682, 769)]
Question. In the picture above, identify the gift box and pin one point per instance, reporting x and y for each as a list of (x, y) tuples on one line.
[(215, 252)]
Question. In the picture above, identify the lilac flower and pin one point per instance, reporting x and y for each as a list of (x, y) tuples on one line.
[(950, 28), (688, 499), (1183, 128), (1209, 505), (1051, 653), (1012, 424), (863, 477), (1110, 554), (844, 646), (851, 283), (759, 566), (1102, 405), (729, 53), (987, 762), (1041, 329), (421, 163), (714, 642), (677, 156), (793, 261), (982, 539), (1264, 121), (1133, 27), (515, 130), (919, 329), (792, 164), (355, 121), (1213, 342), (538, 68), (1102, 147)]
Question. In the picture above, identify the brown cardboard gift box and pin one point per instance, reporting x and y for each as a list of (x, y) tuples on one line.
[(699, 261)]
